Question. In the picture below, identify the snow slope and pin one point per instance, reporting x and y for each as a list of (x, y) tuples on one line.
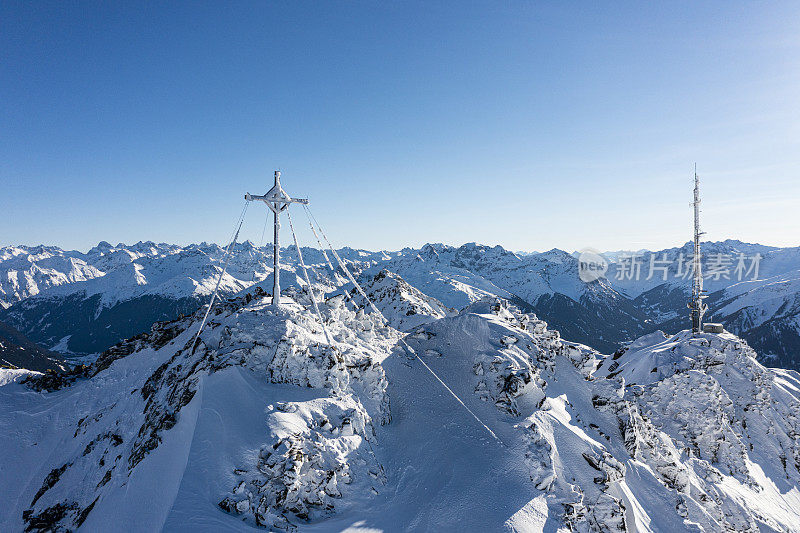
[(733, 419), (263, 425), (401, 304), (110, 446)]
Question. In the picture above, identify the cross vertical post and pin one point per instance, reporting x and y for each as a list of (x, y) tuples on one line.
[(278, 201), (276, 256)]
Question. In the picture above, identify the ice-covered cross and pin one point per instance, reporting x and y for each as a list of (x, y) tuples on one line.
[(278, 201)]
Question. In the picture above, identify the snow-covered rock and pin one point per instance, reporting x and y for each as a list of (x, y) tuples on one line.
[(486, 420), (727, 415), (589, 453), (401, 304), (134, 420)]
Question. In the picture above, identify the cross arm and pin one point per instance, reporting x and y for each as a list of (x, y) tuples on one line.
[(268, 198)]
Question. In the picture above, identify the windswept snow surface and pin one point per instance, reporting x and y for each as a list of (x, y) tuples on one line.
[(264, 426)]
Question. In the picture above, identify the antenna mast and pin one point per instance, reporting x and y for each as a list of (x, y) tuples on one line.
[(696, 305), (278, 201)]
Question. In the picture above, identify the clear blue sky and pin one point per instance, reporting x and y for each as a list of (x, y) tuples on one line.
[(527, 124)]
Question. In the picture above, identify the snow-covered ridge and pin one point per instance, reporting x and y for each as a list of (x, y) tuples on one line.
[(623, 447), (140, 416), (262, 424), (728, 415), (403, 306)]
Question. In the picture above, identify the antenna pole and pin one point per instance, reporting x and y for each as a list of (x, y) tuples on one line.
[(696, 305)]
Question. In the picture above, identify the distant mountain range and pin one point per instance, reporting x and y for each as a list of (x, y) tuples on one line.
[(82, 303)]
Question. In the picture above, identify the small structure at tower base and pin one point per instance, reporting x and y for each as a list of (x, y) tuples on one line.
[(712, 327)]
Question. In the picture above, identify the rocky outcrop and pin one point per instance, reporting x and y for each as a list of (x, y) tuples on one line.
[(296, 476)]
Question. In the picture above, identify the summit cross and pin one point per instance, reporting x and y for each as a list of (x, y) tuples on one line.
[(278, 201)]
